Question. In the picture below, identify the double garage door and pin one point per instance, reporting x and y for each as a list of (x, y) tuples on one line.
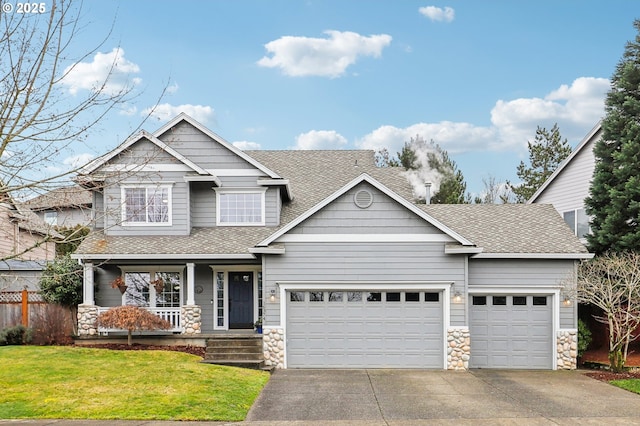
[(365, 329), (511, 331)]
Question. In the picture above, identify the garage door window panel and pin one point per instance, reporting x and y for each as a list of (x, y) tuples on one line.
[(296, 296), (479, 300), (412, 297), (316, 296), (393, 297), (335, 296), (539, 300), (431, 297), (374, 297), (519, 300), (354, 296), (499, 300)]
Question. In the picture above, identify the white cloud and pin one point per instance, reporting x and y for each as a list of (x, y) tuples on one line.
[(78, 160), (164, 112), (438, 14), (111, 69), (574, 107), (246, 145), (325, 57), (128, 110), (173, 88), (454, 137), (320, 139)]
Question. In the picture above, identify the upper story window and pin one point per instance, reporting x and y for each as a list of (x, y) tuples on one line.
[(146, 205), (578, 221), (51, 218), (240, 208)]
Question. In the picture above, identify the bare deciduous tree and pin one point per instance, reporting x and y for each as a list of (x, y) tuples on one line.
[(44, 106), (611, 282)]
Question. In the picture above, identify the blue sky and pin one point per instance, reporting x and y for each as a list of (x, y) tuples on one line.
[(477, 77)]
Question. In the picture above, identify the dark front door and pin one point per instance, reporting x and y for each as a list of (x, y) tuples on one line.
[(240, 299)]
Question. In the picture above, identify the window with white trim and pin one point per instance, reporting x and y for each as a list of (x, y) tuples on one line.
[(240, 208), (578, 221), (51, 218), (146, 205), (152, 288)]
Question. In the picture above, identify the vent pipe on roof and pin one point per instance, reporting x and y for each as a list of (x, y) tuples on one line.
[(427, 195)]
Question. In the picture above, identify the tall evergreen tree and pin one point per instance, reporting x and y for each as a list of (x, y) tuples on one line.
[(614, 198), (546, 152)]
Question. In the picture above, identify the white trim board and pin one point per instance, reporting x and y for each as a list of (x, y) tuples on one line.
[(365, 238)]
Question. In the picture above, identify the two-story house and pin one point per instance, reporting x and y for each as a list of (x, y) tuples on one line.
[(67, 206), (26, 245), (332, 252), (568, 186)]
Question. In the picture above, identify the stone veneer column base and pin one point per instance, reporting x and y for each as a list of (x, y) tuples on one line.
[(273, 346), (458, 348), (87, 320), (567, 349), (191, 316)]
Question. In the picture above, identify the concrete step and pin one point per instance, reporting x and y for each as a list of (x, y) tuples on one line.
[(232, 356), (235, 349)]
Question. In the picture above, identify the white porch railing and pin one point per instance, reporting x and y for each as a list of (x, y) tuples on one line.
[(169, 314)]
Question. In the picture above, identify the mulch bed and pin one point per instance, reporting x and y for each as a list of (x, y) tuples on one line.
[(596, 361)]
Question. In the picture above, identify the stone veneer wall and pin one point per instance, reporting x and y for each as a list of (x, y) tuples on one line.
[(458, 348), (273, 346), (567, 348), (87, 320), (191, 319)]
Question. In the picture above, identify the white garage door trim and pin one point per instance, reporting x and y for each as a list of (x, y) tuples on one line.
[(444, 286), (552, 291)]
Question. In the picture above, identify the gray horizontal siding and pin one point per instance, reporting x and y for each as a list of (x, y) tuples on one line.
[(393, 262), (569, 189), (384, 216), (201, 149), (144, 152), (518, 272), (98, 210)]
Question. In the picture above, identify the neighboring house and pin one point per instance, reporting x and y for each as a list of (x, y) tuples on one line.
[(26, 244), (65, 207), (567, 188), (331, 251)]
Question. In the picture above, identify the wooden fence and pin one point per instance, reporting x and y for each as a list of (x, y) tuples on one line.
[(28, 308)]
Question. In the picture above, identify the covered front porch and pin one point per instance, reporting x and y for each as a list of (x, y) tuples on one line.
[(196, 298)]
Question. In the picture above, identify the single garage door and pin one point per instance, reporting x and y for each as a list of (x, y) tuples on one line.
[(511, 331), (364, 329)]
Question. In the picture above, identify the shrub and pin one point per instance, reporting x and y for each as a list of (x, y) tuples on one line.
[(584, 337), (132, 318), (52, 325), (16, 335)]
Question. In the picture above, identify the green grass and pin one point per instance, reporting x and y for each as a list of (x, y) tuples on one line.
[(632, 385), (46, 382)]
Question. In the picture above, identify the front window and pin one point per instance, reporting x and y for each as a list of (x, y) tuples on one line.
[(155, 289), (240, 208), (146, 205)]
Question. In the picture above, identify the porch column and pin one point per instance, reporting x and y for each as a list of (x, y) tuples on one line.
[(191, 277), (87, 284)]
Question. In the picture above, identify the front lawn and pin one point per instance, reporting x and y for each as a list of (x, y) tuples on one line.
[(632, 385), (80, 383)]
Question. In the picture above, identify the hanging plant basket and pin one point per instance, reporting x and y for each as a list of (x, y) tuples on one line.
[(119, 284), (158, 285)]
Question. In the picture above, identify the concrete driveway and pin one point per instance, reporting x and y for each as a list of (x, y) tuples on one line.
[(412, 397)]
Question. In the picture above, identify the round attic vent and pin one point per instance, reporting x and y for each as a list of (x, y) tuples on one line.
[(363, 198)]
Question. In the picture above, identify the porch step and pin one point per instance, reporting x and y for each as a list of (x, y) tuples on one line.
[(239, 351)]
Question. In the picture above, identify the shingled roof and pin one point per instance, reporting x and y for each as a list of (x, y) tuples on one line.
[(314, 176), (68, 196), (509, 228)]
